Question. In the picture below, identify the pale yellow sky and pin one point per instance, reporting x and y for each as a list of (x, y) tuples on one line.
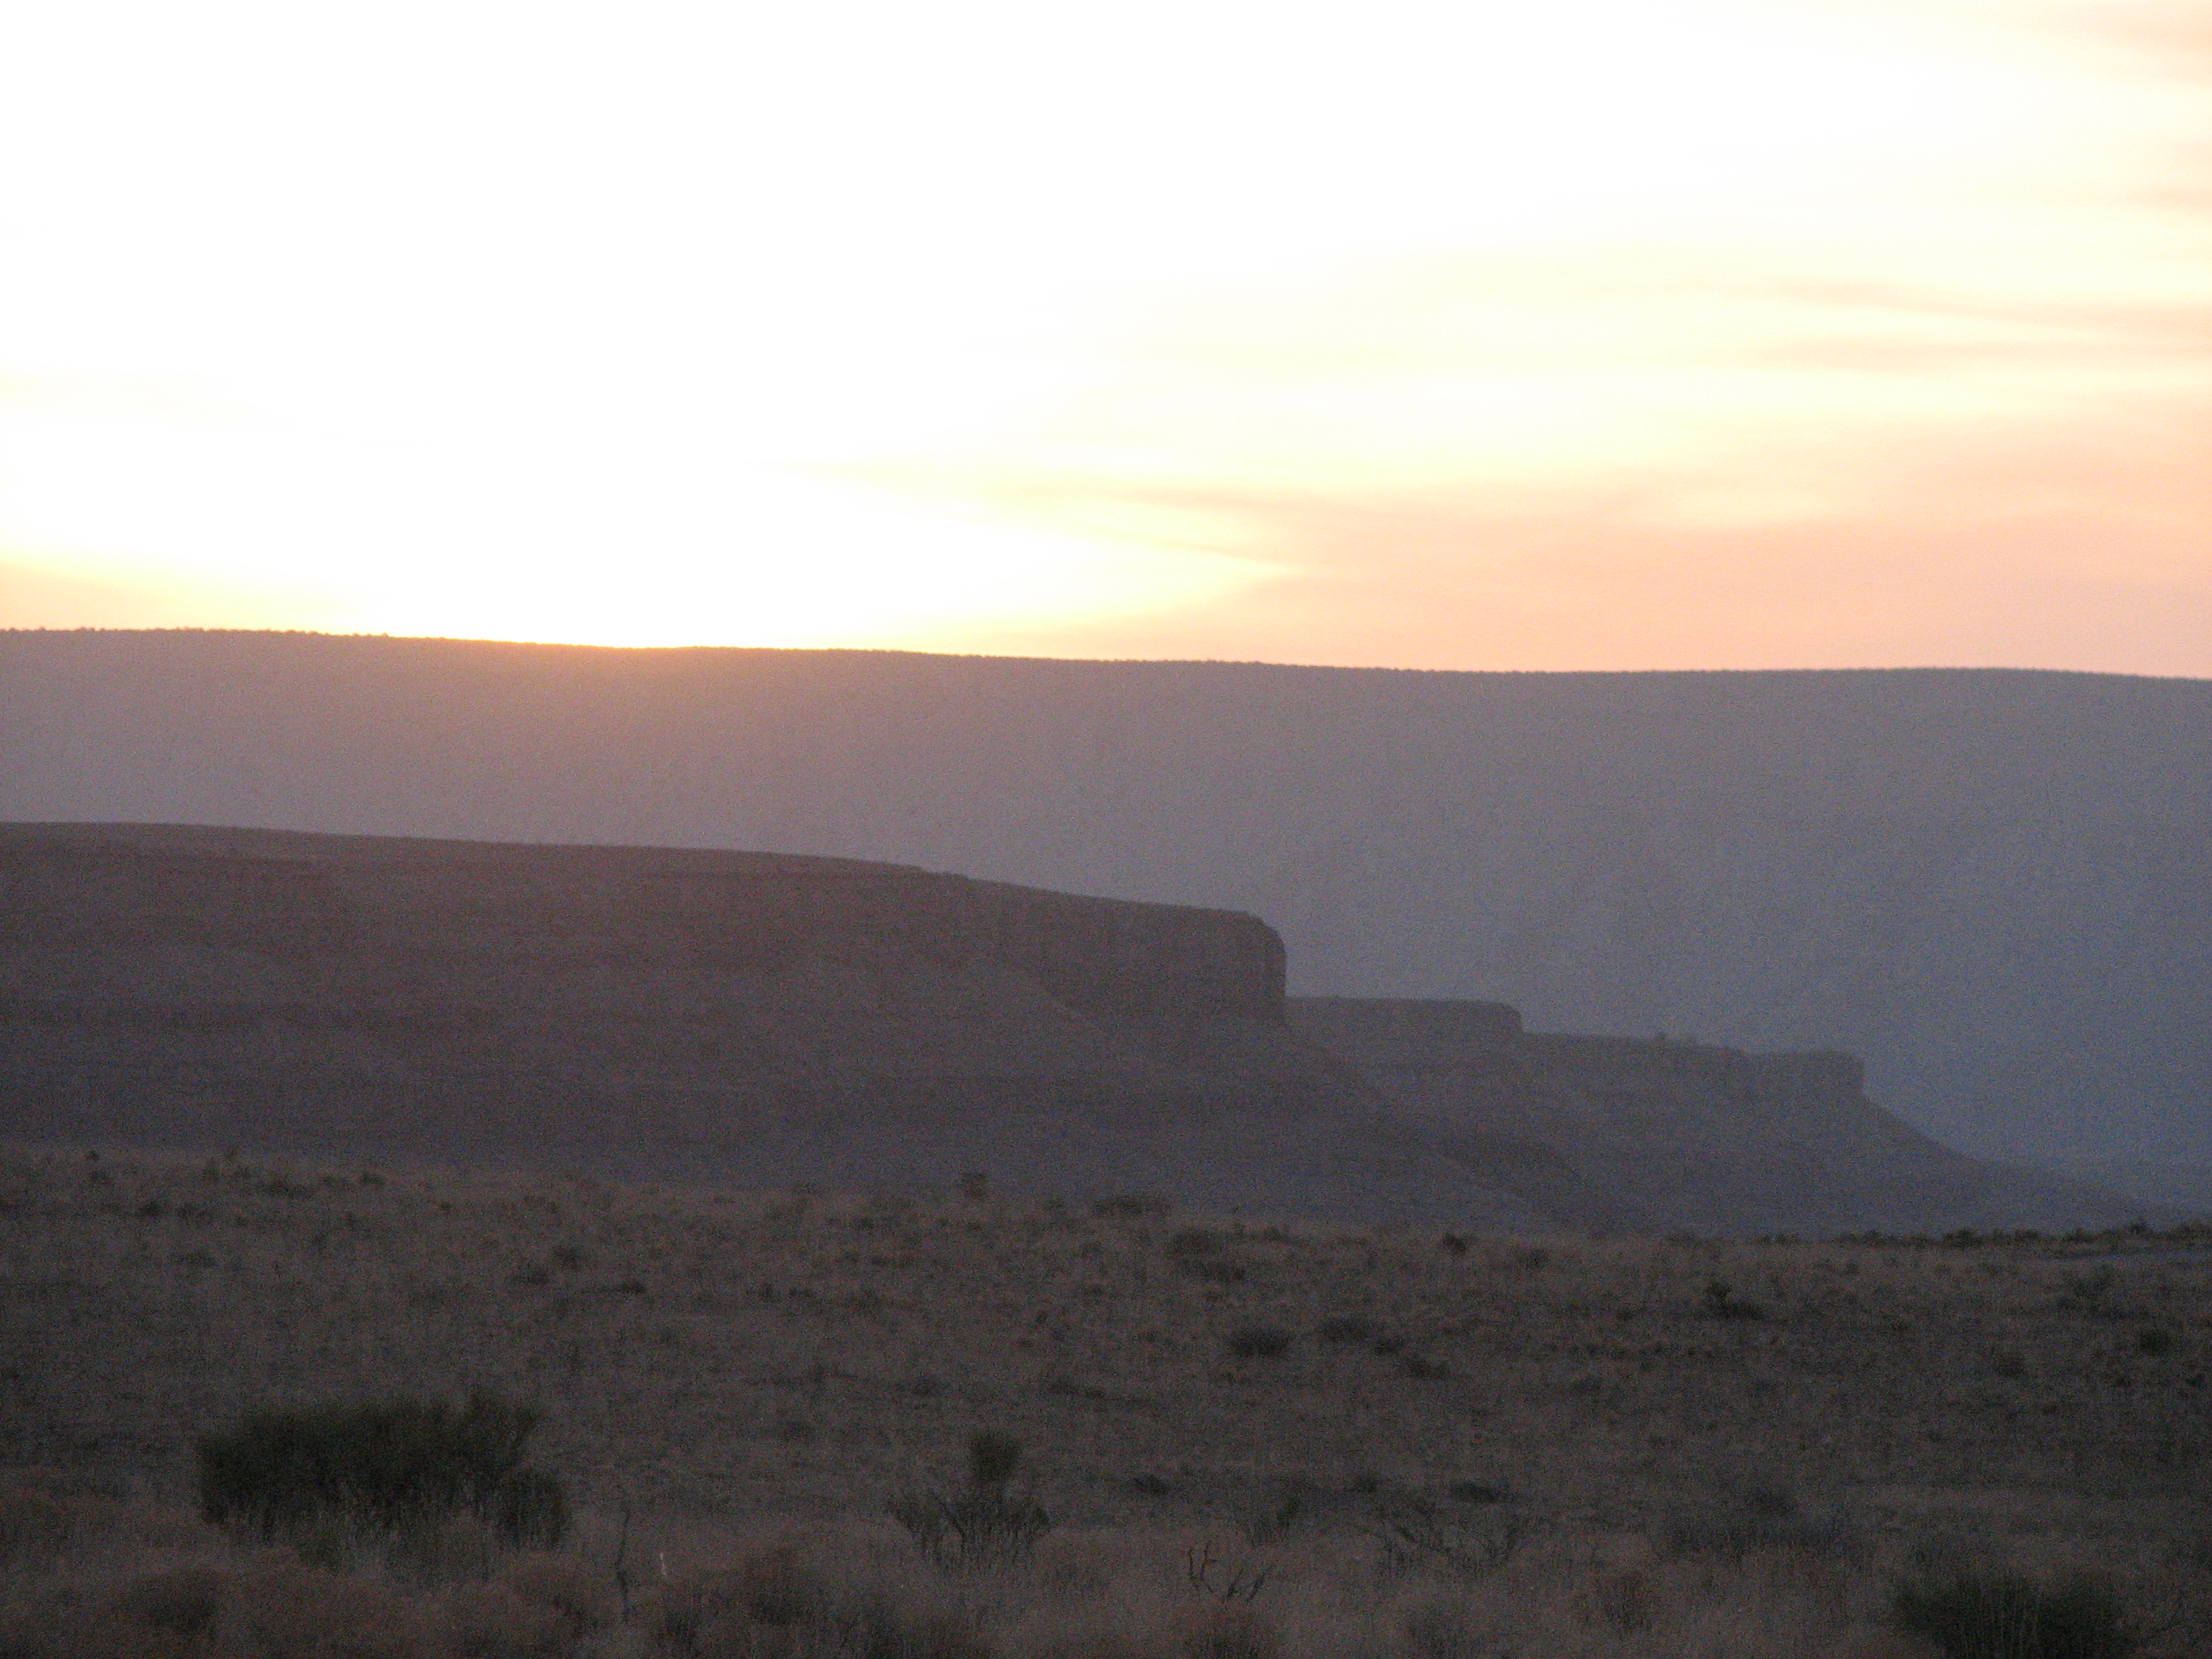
[(1642, 333)]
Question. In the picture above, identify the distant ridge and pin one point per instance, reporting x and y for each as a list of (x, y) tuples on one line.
[(1995, 886), (1662, 1136)]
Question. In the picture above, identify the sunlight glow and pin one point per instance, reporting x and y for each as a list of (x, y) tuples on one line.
[(868, 324)]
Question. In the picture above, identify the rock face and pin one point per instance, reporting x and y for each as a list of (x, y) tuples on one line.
[(752, 1018), (1663, 1135)]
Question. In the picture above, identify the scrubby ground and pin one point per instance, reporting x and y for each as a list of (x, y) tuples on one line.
[(1443, 1448)]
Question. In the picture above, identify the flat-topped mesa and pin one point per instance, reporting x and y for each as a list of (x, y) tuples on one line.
[(751, 1018), (546, 912), (1663, 1133)]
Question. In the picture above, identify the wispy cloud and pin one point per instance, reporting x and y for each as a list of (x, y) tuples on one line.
[(1617, 333)]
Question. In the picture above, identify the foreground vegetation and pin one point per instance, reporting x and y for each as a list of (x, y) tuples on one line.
[(1202, 1439)]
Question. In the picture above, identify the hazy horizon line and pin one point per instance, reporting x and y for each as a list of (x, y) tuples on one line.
[(1221, 662)]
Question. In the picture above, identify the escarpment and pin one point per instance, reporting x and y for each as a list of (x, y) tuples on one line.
[(1663, 1133), (752, 1018), (763, 1019)]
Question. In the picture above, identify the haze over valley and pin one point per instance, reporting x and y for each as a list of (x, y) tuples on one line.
[(1992, 887)]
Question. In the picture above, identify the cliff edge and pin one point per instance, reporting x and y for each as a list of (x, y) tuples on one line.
[(752, 1018), (1664, 1134)]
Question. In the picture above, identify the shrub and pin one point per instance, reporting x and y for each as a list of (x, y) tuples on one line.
[(390, 1467), (1220, 1272), (531, 1508), (1721, 1302), (1131, 1205), (1736, 1536), (1346, 1328), (1476, 1491), (1259, 1342), (766, 1588), (583, 1600), (983, 1528), (1228, 1632), (992, 1459), (768, 1605), (1974, 1614), (183, 1601), (35, 1526), (985, 1525), (490, 1621), (1621, 1599), (281, 1610)]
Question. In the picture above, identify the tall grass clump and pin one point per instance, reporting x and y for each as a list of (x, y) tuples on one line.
[(990, 1523), (1971, 1613), (391, 1466)]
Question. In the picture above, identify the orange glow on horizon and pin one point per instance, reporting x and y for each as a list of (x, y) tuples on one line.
[(1629, 333)]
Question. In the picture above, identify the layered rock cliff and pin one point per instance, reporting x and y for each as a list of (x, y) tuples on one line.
[(745, 1017), (1664, 1134)]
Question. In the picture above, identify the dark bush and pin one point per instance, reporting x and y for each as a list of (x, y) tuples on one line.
[(990, 1523), (983, 1528), (1972, 1614), (1259, 1342), (1722, 1303), (993, 1458), (531, 1508), (1476, 1491), (385, 1467), (1346, 1328), (183, 1601), (1131, 1205), (1217, 1272)]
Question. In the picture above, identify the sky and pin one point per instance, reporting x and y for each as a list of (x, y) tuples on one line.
[(1607, 334)]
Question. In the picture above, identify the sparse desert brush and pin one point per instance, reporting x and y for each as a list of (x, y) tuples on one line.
[(1621, 1599), (1971, 1613), (771, 1602), (489, 1621), (280, 1608), (993, 1457), (45, 1514), (398, 1468), (269, 1607), (1130, 1206), (186, 1601), (1348, 1329), (583, 1596), (542, 1607), (1261, 1342), (1597, 1394), (1227, 1632)]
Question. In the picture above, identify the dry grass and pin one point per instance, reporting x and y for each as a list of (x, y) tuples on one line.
[(1522, 1448), (858, 1591)]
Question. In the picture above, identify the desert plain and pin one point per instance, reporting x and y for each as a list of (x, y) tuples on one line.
[(1242, 1436)]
